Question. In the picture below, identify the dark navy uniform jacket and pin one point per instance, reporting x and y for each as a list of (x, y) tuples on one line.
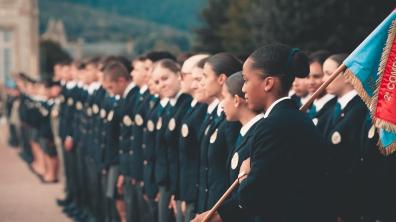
[(210, 124), (135, 160), (127, 105), (172, 133), (162, 163), (189, 151), (283, 185), (320, 118), (219, 150), (154, 112)]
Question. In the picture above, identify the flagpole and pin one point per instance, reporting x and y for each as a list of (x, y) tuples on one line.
[(222, 199), (318, 92), (322, 88)]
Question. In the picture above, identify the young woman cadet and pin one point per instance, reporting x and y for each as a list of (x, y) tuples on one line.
[(285, 166)]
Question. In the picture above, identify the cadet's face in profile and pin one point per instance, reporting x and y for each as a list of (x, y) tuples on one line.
[(198, 91), (211, 81), (139, 72), (300, 87), (336, 87), (229, 105), (315, 77), (253, 86), (168, 82)]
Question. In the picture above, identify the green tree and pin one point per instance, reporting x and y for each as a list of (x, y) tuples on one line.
[(209, 37), (335, 25)]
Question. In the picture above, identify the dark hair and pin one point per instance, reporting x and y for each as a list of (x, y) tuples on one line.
[(168, 64), (234, 84), (93, 61), (224, 63), (318, 56), (115, 70), (202, 62), (338, 58), (281, 61), (155, 56)]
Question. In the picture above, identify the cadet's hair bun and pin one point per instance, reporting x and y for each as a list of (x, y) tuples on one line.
[(278, 59), (299, 65)]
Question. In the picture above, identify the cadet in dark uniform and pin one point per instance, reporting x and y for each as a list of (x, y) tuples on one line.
[(118, 78), (219, 136), (236, 109), (340, 132), (322, 107), (188, 138), (285, 164), (166, 74)]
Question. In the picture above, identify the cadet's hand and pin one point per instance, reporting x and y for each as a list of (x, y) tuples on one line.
[(172, 204), (68, 143), (245, 169), (120, 182), (157, 197), (215, 218), (183, 207)]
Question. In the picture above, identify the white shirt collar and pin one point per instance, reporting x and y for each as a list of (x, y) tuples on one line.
[(303, 100), (80, 84), (245, 128), (92, 88), (71, 84), (173, 100), (345, 99), (213, 105), (319, 103), (130, 86), (219, 110), (143, 89), (267, 112), (164, 101), (194, 102)]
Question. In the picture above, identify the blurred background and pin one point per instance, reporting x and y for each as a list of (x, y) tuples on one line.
[(34, 34)]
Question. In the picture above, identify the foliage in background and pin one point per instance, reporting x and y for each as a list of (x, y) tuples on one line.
[(335, 25)]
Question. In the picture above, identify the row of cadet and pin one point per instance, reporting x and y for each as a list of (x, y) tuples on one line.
[(157, 139)]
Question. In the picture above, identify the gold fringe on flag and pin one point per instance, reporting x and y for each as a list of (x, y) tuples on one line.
[(357, 84), (384, 58)]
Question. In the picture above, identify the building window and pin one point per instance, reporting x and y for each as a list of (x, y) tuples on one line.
[(6, 54)]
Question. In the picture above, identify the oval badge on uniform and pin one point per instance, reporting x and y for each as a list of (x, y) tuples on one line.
[(102, 113), (172, 124), (159, 123), (315, 121), (336, 138), (110, 116), (234, 161), (79, 105), (150, 125), (70, 101), (95, 109), (138, 120), (127, 120), (184, 130), (371, 132), (213, 137)]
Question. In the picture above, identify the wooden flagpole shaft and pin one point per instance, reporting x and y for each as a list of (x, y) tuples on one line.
[(322, 88), (222, 199), (318, 92)]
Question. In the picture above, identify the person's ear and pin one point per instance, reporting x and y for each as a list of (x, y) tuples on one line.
[(237, 101), (221, 79), (269, 83)]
